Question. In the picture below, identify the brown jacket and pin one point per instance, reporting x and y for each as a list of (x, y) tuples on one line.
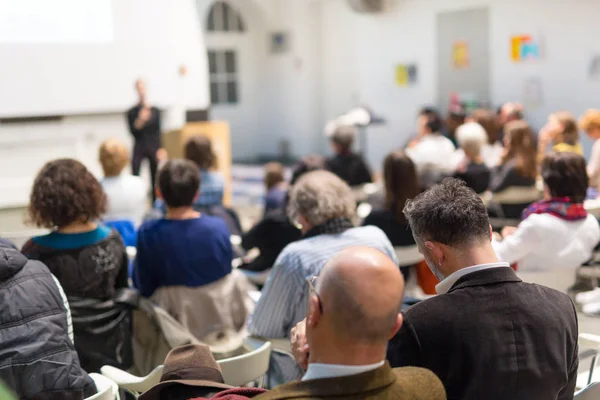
[(383, 383)]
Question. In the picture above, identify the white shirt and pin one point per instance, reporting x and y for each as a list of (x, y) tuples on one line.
[(127, 198), (322, 371), (450, 280), (434, 152), (545, 242)]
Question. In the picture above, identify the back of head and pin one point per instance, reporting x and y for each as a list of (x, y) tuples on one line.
[(361, 291), (401, 183), (199, 150), (569, 133), (590, 120), (519, 141), (64, 192), (113, 156), (320, 196), (178, 182), (307, 164), (565, 175), (449, 213), (274, 172), (488, 120), (512, 112), (433, 121), (471, 137), (343, 137)]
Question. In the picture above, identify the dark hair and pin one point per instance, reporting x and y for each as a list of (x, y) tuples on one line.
[(199, 150), (273, 174), (453, 121), (179, 181), (565, 175), (570, 131), (64, 192), (344, 136), (307, 164), (489, 121), (521, 148), (401, 183), (449, 213)]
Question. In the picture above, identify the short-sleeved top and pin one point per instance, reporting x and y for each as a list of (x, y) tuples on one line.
[(191, 252)]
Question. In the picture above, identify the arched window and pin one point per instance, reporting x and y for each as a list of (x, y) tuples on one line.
[(224, 18)]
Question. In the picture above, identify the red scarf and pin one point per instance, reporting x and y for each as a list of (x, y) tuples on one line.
[(560, 207)]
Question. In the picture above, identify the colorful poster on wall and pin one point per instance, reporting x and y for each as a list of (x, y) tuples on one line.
[(406, 74), (525, 48), (460, 54)]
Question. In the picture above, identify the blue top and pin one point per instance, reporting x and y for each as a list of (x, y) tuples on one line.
[(275, 199), (68, 241), (189, 252)]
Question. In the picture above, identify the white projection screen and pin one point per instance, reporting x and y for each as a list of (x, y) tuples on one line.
[(65, 57)]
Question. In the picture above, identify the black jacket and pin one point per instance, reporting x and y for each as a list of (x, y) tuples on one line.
[(149, 136), (351, 168), (491, 337), (37, 358)]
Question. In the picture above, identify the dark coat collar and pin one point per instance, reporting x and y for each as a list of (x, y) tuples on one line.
[(486, 277)]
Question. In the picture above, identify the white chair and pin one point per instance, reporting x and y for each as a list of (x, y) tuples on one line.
[(593, 207), (107, 389), (249, 367), (131, 382), (511, 196), (589, 347), (408, 255), (560, 278), (591, 392)]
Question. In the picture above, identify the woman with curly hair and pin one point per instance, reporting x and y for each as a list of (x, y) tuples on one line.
[(88, 258)]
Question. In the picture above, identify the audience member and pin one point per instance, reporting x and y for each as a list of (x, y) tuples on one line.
[(508, 112), (539, 242), (454, 119), (590, 123), (431, 152), (191, 371), (471, 138), (275, 185), (88, 259), (491, 152), (401, 183), (562, 133), (323, 205), (352, 312), (37, 357), (275, 231), (518, 165), (184, 260), (127, 195), (144, 124), (199, 150), (349, 166), (487, 335)]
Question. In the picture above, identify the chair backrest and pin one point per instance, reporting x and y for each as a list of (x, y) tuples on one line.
[(131, 382), (592, 392), (107, 389), (593, 207), (240, 370), (517, 195), (560, 279), (408, 255)]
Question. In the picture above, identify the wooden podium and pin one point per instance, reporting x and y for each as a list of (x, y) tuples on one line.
[(218, 133)]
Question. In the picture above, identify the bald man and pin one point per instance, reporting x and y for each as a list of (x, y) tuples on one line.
[(352, 312)]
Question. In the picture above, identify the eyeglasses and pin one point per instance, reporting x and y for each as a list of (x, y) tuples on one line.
[(312, 282)]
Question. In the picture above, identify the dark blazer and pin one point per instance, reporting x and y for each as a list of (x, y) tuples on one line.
[(491, 337), (350, 167), (383, 383)]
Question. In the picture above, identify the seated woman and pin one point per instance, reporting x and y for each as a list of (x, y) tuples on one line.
[(349, 166), (590, 123), (275, 185), (401, 184), (491, 152), (518, 165), (562, 133), (471, 138), (556, 232), (198, 149), (185, 252), (88, 259)]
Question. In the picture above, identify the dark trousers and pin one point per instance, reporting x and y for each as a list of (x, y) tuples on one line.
[(141, 152)]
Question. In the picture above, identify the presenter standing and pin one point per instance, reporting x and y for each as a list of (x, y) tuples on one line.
[(144, 124)]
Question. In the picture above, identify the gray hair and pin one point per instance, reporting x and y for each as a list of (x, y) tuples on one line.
[(320, 196), (471, 135), (344, 136)]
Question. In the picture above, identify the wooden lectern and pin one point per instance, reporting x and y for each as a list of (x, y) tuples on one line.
[(218, 133)]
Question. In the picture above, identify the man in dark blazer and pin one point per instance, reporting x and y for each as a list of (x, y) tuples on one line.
[(352, 312), (487, 335)]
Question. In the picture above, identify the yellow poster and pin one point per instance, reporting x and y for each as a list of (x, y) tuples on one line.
[(401, 75), (460, 54)]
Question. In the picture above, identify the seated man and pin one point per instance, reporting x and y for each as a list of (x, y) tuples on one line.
[(185, 254), (323, 205), (471, 168), (346, 164), (353, 310), (37, 356)]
